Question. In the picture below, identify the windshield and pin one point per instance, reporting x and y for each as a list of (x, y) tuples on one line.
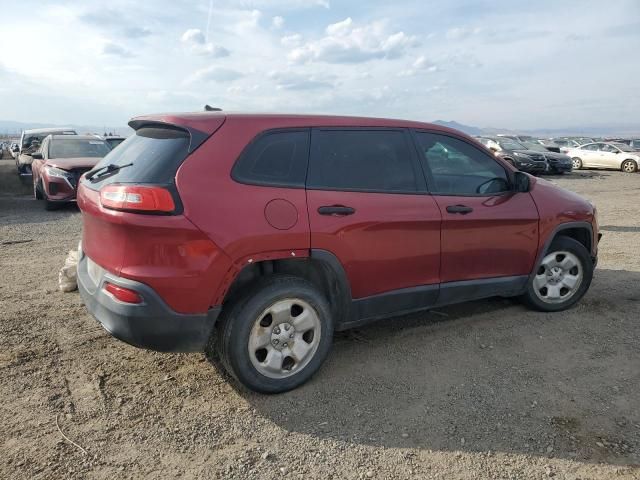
[(77, 147), (509, 144), (534, 146)]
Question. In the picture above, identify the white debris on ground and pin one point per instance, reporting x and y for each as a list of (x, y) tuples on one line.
[(67, 278)]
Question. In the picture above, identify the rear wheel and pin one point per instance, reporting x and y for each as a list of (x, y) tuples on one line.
[(577, 163), (277, 336), (629, 166), (562, 278)]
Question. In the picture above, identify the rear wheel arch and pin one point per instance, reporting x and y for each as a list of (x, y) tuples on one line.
[(322, 269)]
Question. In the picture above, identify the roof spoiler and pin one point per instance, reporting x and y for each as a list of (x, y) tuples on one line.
[(196, 137)]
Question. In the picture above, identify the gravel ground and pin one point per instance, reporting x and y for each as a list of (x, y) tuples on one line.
[(485, 389)]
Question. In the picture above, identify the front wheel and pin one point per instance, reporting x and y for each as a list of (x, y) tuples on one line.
[(277, 336), (562, 278), (629, 166), (577, 163)]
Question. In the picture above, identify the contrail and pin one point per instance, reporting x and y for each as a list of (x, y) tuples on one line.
[(209, 19)]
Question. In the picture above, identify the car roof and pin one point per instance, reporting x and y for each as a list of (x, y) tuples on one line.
[(49, 130), (286, 120)]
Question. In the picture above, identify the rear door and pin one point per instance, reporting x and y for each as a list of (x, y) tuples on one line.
[(368, 206), (488, 230), (590, 155)]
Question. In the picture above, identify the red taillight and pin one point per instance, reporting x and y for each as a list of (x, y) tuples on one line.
[(137, 198), (123, 294)]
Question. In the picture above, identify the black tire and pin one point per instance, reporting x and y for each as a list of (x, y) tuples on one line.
[(629, 166), (37, 192), (237, 320), (48, 204), (577, 163), (562, 244)]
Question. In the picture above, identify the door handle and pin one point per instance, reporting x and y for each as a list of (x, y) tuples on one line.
[(336, 210), (461, 209)]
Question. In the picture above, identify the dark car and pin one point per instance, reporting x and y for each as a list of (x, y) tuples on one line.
[(549, 145), (260, 235), (557, 162), (516, 154)]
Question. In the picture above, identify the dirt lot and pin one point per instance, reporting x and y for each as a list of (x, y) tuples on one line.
[(481, 390)]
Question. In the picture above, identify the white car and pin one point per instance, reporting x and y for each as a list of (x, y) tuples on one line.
[(605, 155)]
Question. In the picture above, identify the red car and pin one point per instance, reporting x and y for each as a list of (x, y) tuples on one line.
[(59, 163), (266, 233)]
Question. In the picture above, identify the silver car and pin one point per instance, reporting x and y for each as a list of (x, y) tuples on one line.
[(605, 155)]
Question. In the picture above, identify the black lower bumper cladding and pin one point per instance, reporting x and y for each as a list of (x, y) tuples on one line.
[(151, 324)]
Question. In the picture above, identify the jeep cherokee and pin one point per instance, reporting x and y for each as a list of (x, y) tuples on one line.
[(263, 234)]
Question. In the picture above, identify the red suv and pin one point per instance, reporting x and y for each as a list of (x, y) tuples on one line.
[(266, 233)]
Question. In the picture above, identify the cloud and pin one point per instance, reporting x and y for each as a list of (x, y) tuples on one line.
[(277, 22), (345, 42), (290, 41), (196, 42), (296, 81), (420, 65), (215, 74), (115, 20), (458, 33), (116, 50)]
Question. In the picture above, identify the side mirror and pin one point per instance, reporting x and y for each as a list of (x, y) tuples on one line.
[(37, 156), (16, 149), (521, 182)]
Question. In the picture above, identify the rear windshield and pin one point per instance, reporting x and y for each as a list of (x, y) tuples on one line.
[(77, 147), (152, 155)]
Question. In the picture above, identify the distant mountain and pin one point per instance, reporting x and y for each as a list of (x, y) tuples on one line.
[(603, 131), (459, 126), (9, 127)]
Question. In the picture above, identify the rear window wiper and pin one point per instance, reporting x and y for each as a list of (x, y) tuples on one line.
[(95, 175)]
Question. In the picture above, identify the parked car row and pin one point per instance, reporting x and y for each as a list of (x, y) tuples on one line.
[(56, 158), (562, 154), (529, 156)]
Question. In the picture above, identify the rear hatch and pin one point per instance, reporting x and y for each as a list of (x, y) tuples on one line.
[(144, 246)]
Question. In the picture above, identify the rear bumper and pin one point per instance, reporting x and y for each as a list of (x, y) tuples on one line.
[(151, 324)]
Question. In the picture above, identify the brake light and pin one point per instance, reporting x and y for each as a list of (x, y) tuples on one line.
[(125, 295), (137, 198)]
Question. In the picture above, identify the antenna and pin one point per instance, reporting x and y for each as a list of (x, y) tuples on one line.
[(209, 108)]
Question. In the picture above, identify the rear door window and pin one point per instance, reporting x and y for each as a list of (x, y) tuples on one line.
[(275, 158), (363, 160), (152, 155)]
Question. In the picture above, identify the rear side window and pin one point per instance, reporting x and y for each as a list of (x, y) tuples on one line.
[(275, 158), (151, 155), (362, 160)]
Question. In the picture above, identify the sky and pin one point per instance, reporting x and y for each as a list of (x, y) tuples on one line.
[(500, 63)]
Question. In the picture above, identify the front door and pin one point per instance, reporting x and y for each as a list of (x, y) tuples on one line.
[(367, 205), (488, 230)]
